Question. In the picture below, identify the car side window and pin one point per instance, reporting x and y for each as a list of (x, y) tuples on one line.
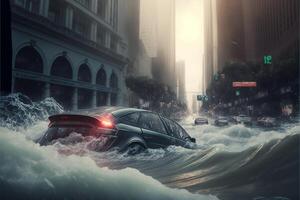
[(130, 119), (172, 129), (151, 121)]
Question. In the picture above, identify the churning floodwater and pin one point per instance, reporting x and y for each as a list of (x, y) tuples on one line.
[(234, 162)]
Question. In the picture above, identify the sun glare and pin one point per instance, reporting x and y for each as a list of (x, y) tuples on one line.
[(190, 43)]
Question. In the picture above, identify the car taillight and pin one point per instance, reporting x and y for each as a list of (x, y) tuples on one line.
[(106, 121)]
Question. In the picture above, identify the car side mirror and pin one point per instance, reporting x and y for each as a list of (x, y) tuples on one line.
[(193, 140)]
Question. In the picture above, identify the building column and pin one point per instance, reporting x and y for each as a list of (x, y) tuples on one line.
[(107, 39), (108, 11), (75, 99), (108, 99), (44, 7), (94, 99), (47, 90), (94, 31), (94, 6), (69, 17)]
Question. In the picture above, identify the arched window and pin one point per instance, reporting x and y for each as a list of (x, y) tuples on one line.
[(29, 59), (113, 83), (84, 73), (101, 77), (62, 68)]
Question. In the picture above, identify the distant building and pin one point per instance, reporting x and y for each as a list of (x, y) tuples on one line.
[(181, 92), (157, 33), (271, 28), (195, 104), (73, 50), (248, 30), (230, 31), (211, 42)]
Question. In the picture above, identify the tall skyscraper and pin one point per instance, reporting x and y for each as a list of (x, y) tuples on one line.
[(157, 32), (211, 41), (248, 30), (181, 91), (271, 28)]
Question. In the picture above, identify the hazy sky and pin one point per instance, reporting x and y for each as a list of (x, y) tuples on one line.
[(189, 41)]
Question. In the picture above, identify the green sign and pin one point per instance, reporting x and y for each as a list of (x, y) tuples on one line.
[(206, 98), (237, 93), (199, 97), (202, 98), (267, 60)]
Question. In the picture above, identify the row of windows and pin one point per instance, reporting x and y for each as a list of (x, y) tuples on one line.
[(63, 15), (34, 5), (29, 59), (154, 122), (274, 18)]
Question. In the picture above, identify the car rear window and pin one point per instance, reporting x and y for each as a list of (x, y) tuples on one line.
[(56, 132)]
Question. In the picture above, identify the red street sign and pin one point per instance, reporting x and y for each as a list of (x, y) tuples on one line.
[(243, 84)]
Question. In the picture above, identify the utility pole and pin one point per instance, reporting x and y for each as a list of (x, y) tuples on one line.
[(6, 48)]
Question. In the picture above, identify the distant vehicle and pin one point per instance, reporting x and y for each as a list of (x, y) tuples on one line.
[(127, 129), (221, 121), (243, 119), (201, 121), (266, 121)]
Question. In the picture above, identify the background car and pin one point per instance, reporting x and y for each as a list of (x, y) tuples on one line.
[(266, 121), (243, 119), (200, 121), (126, 129), (221, 121)]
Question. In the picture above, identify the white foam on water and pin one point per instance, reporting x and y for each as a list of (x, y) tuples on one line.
[(235, 138), (27, 165)]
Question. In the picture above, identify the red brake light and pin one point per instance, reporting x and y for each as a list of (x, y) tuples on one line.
[(106, 121)]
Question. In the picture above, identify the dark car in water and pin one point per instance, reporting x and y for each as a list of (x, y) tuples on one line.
[(243, 119), (221, 121), (127, 129), (200, 121)]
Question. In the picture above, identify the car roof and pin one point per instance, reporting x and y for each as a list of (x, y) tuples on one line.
[(114, 110)]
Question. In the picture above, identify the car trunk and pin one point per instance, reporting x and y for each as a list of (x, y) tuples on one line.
[(63, 125)]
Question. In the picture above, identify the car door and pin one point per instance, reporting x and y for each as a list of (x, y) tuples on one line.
[(153, 131)]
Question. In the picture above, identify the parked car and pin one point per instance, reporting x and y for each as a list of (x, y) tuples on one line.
[(127, 129), (266, 121), (243, 119), (200, 121), (221, 121)]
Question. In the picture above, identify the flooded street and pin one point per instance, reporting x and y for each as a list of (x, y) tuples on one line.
[(233, 162)]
